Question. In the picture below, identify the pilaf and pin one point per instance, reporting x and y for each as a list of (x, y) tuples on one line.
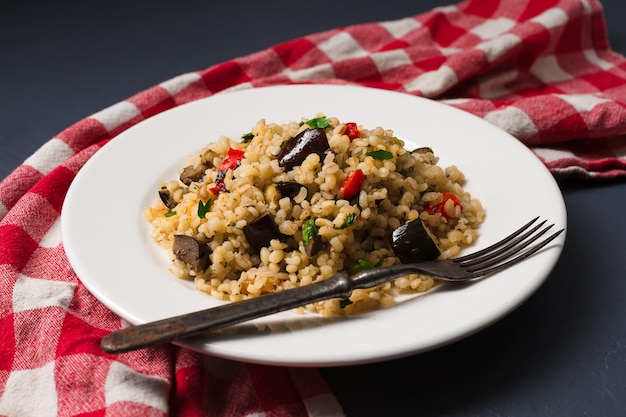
[(289, 204)]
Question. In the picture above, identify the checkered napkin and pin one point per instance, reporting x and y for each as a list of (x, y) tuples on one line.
[(539, 69)]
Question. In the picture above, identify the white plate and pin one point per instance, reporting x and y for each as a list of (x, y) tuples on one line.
[(108, 244)]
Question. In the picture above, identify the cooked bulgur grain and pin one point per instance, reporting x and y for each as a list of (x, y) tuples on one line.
[(242, 180)]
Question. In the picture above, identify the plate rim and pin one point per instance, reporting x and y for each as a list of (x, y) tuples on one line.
[(227, 351)]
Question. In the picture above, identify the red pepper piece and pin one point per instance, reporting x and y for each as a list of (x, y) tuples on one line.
[(352, 184), (352, 131), (438, 208), (231, 161)]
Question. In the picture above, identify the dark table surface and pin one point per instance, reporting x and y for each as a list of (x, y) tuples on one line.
[(562, 353)]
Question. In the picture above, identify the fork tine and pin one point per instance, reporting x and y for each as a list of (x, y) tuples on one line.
[(502, 243), (515, 245), (486, 269)]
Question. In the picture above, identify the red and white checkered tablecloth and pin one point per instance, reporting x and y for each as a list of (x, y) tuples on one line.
[(540, 69)]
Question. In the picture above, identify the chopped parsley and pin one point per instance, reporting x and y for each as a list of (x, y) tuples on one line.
[(380, 154), (349, 221), (170, 214), (247, 137), (204, 208), (362, 265), (318, 122), (309, 230)]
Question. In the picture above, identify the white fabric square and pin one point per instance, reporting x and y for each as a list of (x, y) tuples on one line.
[(587, 7), (49, 156), (447, 9), (124, 384), (177, 84), (433, 83), (391, 59), (317, 72), (31, 293), (399, 28), (493, 27), (117, 114), (582, 102), (547, 69), (494, 88), (52, 238), (496, 47), (513, 120), (492, 93), (450, 51), (551, 18), (593, 57), (553, 154), (30, 392), (342, 46)]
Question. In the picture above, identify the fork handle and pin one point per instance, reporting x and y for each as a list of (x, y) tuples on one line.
[(167, 330)]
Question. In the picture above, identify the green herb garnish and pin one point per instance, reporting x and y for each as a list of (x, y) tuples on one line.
[(204, 208), (349, 221), (380, 154), (309, 230), (318, 122), (247, 137), (362, 265), (170, 214)]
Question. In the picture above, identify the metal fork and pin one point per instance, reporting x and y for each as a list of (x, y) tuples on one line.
[(511, 250)]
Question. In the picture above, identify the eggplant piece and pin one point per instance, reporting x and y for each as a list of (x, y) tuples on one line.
[(288, 188), (295, 150), (315, 245), (168, 199), (413, 242), (423, 149), (278, 190), (260, 232), (191, 251), (191, 174)]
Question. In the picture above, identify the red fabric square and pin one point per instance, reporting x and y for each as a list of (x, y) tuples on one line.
[(481, 7), (153, 101), (13, 187), (358, 69), (222, 76), (534, 8), (371, 37), (54, 186), (77, 336), (603, 80), (7, 347), (443, 31), (291, 52), (80, 380), (16, 246), (86, 132), (275, 391)]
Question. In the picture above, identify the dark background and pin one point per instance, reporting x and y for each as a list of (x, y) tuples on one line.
[(560, 354), (61, 61)]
